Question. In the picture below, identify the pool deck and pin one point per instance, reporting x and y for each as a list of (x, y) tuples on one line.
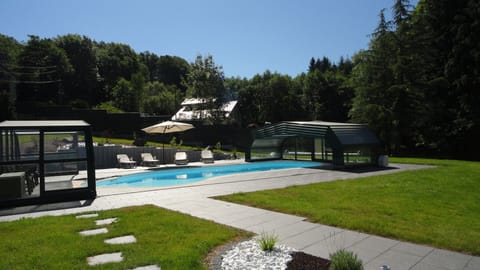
[(317, 239)]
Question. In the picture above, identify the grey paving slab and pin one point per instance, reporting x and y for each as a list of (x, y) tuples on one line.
[(365, 254), (293, 230), (426, 266), (260, 218), (274, 224), (335, 240), (413, 249), (473, 264), (371, 247), (106, 221), (308, 238), (105, 258), (376, 243), (321, 249), (347, 238), (394, 259), (93, 232), (447, 259), (127, 239)]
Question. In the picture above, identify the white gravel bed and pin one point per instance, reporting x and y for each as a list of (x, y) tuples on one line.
[(248, 255)]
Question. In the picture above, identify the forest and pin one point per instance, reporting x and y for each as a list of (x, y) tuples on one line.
[(416, 85)]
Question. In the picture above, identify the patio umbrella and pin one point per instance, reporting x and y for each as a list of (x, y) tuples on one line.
[(167, 127)]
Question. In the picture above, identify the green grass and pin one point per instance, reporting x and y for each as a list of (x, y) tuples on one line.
[(168, 239), (438, 207)]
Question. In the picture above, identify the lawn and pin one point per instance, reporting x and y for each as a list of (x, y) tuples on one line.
[(169, 239), (438, 207)]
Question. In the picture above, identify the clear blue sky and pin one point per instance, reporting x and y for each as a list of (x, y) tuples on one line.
[(245, 37)]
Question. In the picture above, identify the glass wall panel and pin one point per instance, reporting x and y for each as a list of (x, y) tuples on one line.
[(64, 145), (319, 146), (266, 149), (304, 148), (298, 148), (357, 155), (18, 181), (289, 148), (64, 175), (17, 145)]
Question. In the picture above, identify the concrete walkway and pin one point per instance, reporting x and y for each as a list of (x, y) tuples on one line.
[(294, 231)]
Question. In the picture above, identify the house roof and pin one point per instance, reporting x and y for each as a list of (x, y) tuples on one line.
[(189, 112), (346, 133)]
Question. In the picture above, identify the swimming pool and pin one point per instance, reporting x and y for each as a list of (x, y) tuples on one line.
[(179, 176)]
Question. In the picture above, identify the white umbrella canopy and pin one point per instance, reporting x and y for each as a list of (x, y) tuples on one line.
[(168, 127)]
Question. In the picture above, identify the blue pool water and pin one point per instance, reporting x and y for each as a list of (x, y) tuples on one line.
[(170, 177)]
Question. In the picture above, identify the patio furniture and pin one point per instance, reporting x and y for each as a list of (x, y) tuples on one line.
[(125, 162), (181, 158), (149, 160), (206, 156), (12, 185)]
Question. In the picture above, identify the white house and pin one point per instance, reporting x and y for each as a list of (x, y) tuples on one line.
[(196, 109)]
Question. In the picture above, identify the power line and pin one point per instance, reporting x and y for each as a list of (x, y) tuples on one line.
[(32, 73), (31, 67), (30, 82)]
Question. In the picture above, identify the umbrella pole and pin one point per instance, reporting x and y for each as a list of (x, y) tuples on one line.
[(163, 150)]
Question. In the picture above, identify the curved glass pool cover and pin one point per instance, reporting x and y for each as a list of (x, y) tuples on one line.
[(170, 177)]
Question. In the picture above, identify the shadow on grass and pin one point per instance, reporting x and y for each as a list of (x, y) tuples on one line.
[(365, 169)]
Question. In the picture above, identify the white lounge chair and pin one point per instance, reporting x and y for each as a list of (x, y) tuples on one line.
[(181, 158), (125, 162), (206, 156), (149, 160)]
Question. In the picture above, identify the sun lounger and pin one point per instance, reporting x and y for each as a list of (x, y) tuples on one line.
[(125, 162), (149, 160), (181, 158), (206, 156)]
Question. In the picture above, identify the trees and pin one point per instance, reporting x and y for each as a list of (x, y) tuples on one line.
[(82, 82), (9, 50), (204, 80), (115, 61), (159, 99), (449, 33), (42, 68), (170, 71), (415, 85), (382, 88)]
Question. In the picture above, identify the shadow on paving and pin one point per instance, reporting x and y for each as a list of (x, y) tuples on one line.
[(44, 207)]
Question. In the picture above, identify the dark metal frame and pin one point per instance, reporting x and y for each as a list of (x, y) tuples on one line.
[(51, 196), (337, 136)]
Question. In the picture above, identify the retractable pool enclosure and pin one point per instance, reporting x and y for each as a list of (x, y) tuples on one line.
[(342, 144), (45, 162)]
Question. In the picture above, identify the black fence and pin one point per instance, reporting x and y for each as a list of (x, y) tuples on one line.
[(129, 125)]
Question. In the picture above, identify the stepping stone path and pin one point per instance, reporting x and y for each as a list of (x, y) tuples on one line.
[(93, 232), (110, 257), (106, 221), (127, 239), (148, 267), (105, 258), (87, 216)]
